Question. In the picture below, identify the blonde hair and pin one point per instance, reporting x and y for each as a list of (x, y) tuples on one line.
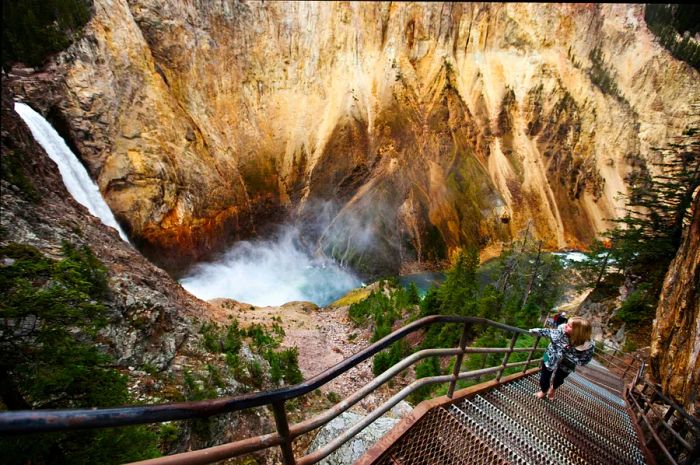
[(580, 331)]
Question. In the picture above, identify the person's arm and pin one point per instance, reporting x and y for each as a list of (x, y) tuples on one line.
[(544, 332)]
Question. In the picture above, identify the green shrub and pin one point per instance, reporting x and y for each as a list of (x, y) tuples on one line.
[(426, 368), (168, 432), (211, 337), (233, 340), (636, 308), (50, 314), (261, 339), (284, 366), (390, 357), (256, 374)]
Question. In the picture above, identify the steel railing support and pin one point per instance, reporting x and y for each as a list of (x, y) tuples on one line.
[(507, 356), (283, 431), (458, 360), (532, 352)]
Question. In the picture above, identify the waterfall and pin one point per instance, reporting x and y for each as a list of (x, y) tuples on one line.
[(75, 176), (271, 272)]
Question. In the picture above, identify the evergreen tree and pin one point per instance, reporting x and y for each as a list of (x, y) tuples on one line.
[(33, 29), (658, 209), (460, 284), (675, 25)]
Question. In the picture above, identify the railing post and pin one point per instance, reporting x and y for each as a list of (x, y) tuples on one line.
[(458, 361), (532, 351), (627, 368), (507, 356), (283, 431)]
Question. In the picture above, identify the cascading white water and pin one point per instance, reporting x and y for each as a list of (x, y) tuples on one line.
[(271, 272), (75, 176), (261, 273)]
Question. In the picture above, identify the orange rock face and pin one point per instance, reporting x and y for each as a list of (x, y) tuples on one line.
[(675, 347)]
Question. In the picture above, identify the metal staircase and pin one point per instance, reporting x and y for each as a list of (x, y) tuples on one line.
[(499, 421), (586, 423)]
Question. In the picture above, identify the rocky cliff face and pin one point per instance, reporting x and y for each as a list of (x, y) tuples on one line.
[(414, 128), (151, 317), (675, 340)]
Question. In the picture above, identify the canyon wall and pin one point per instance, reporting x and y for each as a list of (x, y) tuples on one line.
[(675, 339), (394, 133)]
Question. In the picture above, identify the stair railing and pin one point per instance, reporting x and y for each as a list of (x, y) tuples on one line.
[(34, 421), (665, 430), (625, 367)]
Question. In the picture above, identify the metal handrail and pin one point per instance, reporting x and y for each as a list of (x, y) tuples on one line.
[(31, 421), (641, 416), (618, 362)]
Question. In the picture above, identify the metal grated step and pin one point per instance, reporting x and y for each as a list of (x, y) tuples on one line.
[(440, 439), (524, 447), (601, 376), (586, 424), (545, 431)]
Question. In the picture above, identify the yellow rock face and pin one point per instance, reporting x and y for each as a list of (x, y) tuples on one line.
[(419, 127)]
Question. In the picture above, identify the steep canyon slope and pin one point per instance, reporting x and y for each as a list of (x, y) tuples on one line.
[(153, 327), (675, 340), (396, 132)]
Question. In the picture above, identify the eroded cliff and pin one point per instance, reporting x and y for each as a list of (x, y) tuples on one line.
[(675, 339), (415, 128)]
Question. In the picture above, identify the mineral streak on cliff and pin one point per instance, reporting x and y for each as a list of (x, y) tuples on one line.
[(428, 126)]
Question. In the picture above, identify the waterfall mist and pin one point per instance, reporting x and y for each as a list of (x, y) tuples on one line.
[(75, 176), (271, 273)]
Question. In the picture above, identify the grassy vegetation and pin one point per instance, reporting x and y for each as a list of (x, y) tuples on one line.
[(352, 297)]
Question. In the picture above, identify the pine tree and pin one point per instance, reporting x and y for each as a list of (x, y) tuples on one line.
[(460, 283), (658, 209)]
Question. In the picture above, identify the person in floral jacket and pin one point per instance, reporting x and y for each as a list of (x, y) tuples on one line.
[(570, 346)]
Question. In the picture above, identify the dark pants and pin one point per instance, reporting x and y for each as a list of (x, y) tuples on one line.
[(546, 378)]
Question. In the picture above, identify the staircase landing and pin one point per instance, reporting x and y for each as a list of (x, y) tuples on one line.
[(587, 423)]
